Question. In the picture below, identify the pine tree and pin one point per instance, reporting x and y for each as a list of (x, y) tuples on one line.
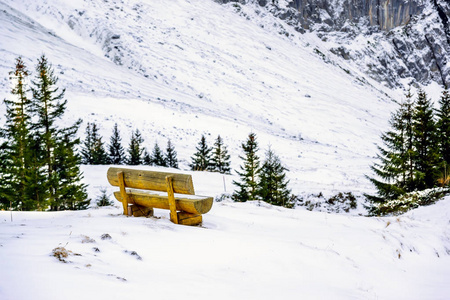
[(94, 149), (396, 168), (425, 143), (49, 106), (5, 189), (103, 199), (273, 185), (37, 179), (16, 160), (135, 149), (99, 156), (116, 150), (171, 156), (86, 150), (249, 174), (443, 125), (146, 158), (201, 161), (220, 158), (70, 192), (158, 156)]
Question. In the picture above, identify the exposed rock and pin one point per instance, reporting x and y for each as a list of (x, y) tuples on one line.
[(403, 38)]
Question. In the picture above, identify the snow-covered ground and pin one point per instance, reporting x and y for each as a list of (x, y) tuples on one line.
[(242, 251), (181, 68)]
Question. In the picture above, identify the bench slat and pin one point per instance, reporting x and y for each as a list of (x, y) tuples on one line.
[(151, 180), (193, 204)]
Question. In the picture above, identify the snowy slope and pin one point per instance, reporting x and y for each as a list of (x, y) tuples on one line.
[(242, 251), (187, 67), (179, 69)]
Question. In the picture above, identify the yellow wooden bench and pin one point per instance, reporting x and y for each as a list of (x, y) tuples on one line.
[(141, 191)]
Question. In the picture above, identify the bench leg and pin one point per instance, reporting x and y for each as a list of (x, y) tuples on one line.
[(123, 193), (171, 197), (185, 218), (140, 211)]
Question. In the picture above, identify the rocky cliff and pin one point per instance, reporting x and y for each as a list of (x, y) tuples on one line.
[(399, 41), (386, 14)]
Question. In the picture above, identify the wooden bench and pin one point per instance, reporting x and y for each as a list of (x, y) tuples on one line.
[(146, 190)]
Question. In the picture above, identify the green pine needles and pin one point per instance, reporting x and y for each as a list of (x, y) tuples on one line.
[(39, 167), (267, 182), (415, 154)]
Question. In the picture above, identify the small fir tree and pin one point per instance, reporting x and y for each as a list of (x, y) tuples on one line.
[(201, 161), (220, 158), (99, 156), (86, 150), (103, 199), (171, 156), (249, 172), (425, 143), (116, 150), (146, 158), (157, 157), (93, 150), (135, 149), (273, 184)]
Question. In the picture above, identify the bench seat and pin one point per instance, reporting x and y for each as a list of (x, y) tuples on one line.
[(193, 204)]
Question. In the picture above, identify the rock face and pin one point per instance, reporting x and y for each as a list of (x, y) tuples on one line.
[(386, 14), (398, 39)]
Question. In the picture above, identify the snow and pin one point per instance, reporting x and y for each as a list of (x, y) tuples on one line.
[(186, 68), (243, 251), (183, 66)]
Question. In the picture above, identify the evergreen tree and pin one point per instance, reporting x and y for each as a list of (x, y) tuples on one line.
[(248, 186), (94, 149), (70, 192), (135, 149), (99, 156), (116, 150), (273, 185), (103, 199), (147, 159), (396, 159), (86, 150), (443, 124), (171, 156), (16, 160), (49, 106), (220, 158), (201, 161), (5, 188), (425, 143), (37, 187), (158, 157)]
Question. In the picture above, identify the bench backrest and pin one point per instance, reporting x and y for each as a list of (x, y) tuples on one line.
[(151, 180)]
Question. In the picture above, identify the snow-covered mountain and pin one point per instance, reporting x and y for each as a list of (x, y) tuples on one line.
[(181, 68), (397, 42)]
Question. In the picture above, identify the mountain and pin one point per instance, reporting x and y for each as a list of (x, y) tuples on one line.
[(396, 42), (182, 68), (179, 69)]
